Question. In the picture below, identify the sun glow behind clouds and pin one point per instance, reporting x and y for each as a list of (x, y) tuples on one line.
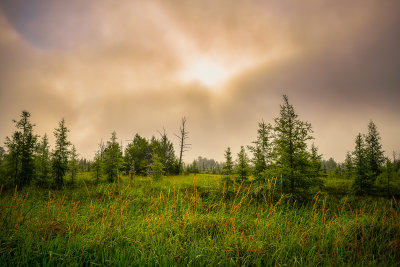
[(213, 71), (207, 72)]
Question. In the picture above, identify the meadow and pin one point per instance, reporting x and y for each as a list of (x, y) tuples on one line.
[(196, 220)]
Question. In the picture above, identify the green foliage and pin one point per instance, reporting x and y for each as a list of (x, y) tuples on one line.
[(368, 160), (164, 149), (138, 153), (242, 165), (181, 221), (60, 154), (98, 167), (21, 148), (362, 181), (205, 165), (373, 150), (193, 167), (132, 169), (43, 163), (156, 168), (262, 149), (348, 166), (84, 165), (113, 160), (73, 163), (228, 168), (291, 155), (329, 164), (315, 163), (388, 181)]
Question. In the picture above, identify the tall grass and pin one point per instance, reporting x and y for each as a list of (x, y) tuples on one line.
[(194, 220)]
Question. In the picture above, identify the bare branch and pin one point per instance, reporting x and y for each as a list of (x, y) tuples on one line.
[(182, 140)]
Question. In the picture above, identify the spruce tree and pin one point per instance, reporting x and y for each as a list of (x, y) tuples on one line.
[(21, 149), (113, 160), (262, 149), (43, 162), (292, 157), (390, 173), (73, 164), (348, 166), (374, 152), (60, 154), (13, 157), (228, 168), (156, 168), (242, 165), (97, 166), (164, 148), (362, 182), (315, 162), (139, 153)]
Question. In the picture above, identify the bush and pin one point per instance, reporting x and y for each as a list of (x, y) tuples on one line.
[(156, 168)]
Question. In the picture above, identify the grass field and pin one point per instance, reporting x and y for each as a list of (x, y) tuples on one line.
[(194, 220)]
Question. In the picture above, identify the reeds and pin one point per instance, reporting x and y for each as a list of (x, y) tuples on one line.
[(194, 221)]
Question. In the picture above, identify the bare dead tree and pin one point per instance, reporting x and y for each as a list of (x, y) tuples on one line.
[(183, 145)]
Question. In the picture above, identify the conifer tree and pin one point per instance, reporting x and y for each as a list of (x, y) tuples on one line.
[(390, 171), (262, 149), (164, 148), (97, 166), (138, 153), (60, 154), (242, 165), (362, 182), (315, 162), (374, 152), (291, 136), (73, 164), (348, 166), (156, 168), (43, 162), (228, 168), (21, 148), (113, 160)]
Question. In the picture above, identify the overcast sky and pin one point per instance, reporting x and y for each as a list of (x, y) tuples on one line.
[(138, 66)]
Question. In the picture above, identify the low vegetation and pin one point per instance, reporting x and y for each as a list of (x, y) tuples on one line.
[(194, 220)]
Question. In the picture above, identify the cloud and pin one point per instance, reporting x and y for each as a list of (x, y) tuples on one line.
[(108, 66)]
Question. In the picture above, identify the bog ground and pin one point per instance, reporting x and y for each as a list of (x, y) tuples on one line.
[(195, 220)]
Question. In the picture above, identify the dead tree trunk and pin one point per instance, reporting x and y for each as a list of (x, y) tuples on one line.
[(183, 145)]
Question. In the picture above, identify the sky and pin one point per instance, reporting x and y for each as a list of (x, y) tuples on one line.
[(138, 66)]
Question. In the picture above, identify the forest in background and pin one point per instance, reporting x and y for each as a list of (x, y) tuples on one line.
[(283, 149)]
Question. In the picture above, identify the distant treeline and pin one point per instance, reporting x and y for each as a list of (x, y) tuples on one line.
[(204, 165), (282, 149)]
